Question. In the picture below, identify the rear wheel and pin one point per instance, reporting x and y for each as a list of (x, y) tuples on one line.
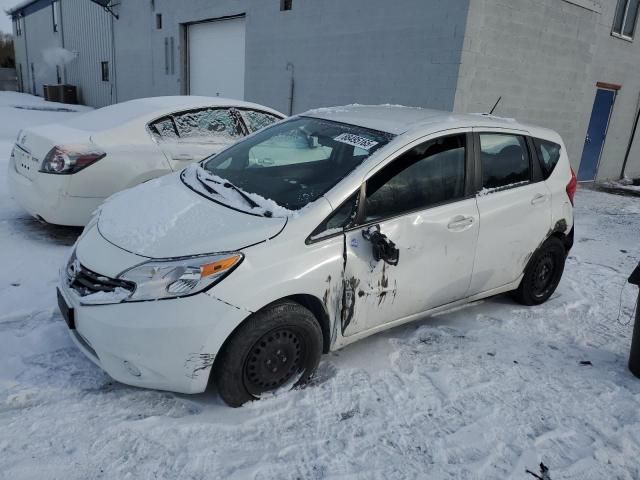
[(275, 346), (543, 273)]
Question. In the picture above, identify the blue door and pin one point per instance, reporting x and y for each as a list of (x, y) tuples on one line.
[(596, 134)]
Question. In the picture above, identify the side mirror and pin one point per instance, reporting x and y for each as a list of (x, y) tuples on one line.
[(381, 247)]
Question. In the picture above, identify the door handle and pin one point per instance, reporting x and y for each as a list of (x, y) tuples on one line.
[(182, 157), (460, 223), (539, 198)]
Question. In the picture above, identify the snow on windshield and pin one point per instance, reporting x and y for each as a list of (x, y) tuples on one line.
[(213, 186)]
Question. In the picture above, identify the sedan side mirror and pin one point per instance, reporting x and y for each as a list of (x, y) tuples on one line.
[(381, 247)]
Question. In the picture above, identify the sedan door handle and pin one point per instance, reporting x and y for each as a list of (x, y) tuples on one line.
[(539, 198), (182, 157), (460, 223)]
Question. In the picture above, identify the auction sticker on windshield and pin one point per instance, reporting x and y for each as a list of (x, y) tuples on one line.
[(356, 141)]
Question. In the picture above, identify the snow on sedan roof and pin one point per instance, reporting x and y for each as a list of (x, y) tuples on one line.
[(398, 119), (115, 115)]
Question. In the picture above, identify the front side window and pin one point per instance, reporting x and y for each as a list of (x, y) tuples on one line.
[(548, 154), (624, 22), (297, 161), (505, 160), (429, 174), (209, 125), (255, 120)]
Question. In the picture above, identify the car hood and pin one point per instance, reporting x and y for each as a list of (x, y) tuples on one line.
[(163, 218)]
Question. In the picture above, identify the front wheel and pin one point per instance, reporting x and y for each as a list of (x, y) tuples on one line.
[(543, 273), (276, 346)]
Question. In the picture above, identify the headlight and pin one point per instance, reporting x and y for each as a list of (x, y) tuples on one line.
[(160, 279)]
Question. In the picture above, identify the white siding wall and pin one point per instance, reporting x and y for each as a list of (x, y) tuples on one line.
[(87, 31), (41, 39)]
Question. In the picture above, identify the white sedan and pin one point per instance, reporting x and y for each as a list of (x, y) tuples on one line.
[(310, 235), (60, 173)]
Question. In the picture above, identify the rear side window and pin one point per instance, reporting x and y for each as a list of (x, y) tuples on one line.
[(208, 125), (505, 160), (548, 154), (255, 120), (429, 174)]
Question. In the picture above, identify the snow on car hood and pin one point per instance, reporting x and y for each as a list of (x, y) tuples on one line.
[(163, 218)]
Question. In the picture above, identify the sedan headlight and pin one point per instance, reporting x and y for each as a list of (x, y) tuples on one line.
[(160, 279)]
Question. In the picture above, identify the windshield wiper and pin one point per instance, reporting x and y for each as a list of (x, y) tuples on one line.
[(228, 184), (207, 187)]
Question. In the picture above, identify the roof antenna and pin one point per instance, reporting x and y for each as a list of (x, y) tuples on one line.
[(494, 107)]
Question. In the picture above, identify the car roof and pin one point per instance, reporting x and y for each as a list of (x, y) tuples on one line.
[(146, 108), (398, 119)]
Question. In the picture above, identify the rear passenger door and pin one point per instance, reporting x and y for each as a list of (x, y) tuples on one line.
[(424, 202), (514, 205)]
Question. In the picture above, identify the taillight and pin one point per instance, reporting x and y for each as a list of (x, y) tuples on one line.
[(68, 159), (572, 186)]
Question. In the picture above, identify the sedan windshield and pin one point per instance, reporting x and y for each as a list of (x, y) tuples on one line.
[(297, 161)]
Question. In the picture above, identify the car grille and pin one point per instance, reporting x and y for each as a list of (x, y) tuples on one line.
[(86, 282)]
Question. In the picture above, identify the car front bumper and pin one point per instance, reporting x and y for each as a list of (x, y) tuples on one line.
[(166, 344), (45, 197)]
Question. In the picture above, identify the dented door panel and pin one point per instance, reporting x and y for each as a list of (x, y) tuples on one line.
[(436, 254), (512, 226)]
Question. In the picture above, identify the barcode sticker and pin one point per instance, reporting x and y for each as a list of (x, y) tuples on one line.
[(356, 141)]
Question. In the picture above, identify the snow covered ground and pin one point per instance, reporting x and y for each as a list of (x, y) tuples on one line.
[(484, 392)]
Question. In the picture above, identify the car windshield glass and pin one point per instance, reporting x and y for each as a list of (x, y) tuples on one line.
[(295, 162)]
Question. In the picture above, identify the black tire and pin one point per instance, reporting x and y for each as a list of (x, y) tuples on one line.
[(543, 273), (267, 351)]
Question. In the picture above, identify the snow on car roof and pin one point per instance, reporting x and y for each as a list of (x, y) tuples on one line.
[(120, 113), (398, 119)]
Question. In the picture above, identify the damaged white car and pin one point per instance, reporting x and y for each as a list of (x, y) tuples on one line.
[(60, 173), (312, 234)]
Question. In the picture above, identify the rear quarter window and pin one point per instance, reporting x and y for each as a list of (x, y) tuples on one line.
[(548, 154)]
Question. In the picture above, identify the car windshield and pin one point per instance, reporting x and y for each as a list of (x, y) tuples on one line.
[(297, 161)]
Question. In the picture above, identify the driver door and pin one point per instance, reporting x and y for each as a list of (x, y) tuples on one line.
[(423, 202)]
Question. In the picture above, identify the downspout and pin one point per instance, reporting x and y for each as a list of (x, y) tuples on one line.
[(114, 70), (631, 139), (292, 87), (64, 65)]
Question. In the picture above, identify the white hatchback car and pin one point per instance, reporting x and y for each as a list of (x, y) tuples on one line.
[(311, 234), (61, 172)]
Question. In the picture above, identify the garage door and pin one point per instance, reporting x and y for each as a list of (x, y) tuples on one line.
[(216, 58)]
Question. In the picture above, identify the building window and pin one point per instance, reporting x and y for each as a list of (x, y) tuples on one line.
[(624, 23), (158, 21), (285, 5), (54, 15), (104, 67)]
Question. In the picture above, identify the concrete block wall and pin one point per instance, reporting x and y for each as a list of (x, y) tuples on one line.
[(617, 61), (360, 51), (536, 55)]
